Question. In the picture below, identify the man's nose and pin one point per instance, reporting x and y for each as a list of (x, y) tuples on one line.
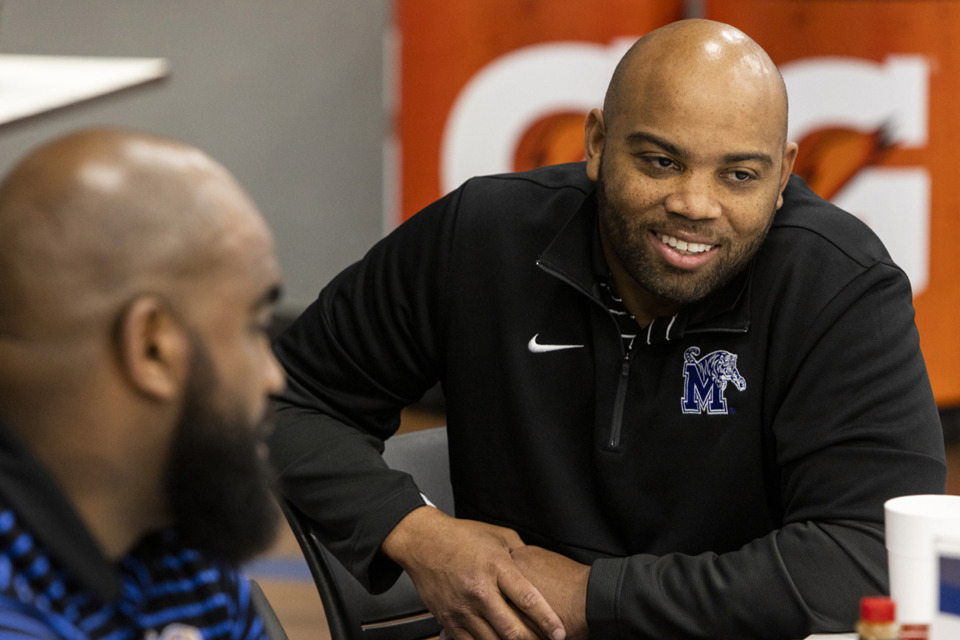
[(694, 197), (275, 376)]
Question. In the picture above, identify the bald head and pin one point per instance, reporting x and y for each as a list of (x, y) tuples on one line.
[(711, 60), (136, 278), (93, 218)]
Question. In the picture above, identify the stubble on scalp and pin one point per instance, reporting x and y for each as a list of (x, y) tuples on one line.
[(677, 50)]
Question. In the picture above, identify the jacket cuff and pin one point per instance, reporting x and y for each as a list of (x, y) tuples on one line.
[(603, 597), (382, 572)]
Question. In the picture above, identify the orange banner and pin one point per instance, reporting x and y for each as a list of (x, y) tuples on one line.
[(487, 86), (874, 92)]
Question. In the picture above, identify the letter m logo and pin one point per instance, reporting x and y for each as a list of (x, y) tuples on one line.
[(705, 381)]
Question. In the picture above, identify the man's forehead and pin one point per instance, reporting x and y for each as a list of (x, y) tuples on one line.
[(260, 275), (698, 115)]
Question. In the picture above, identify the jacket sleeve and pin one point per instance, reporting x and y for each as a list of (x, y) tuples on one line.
[(367, 347), (853, 422)]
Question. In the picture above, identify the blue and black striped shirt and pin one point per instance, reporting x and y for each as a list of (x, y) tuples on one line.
[(167, 592)]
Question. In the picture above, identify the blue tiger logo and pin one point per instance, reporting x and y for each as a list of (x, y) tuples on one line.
[(705, 380)]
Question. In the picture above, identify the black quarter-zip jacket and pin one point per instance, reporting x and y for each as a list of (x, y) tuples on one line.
[(724, 479)]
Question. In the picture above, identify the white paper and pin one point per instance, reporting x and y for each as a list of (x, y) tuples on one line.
[(30, 84)]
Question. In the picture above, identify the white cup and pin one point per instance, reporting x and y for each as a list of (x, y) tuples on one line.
[(913, 523)]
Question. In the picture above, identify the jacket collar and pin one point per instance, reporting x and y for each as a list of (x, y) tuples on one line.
[(575, 256), (572, 254), (50, 517)]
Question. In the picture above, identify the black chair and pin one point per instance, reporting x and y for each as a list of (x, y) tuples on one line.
[(399, 613), (271, 623)]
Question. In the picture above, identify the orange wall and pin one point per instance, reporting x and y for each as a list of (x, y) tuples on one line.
[(442, 45)]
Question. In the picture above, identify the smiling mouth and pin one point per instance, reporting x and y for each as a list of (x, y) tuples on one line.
[(686, 248)]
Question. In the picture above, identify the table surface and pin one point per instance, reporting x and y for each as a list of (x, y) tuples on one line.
[(31, 84)]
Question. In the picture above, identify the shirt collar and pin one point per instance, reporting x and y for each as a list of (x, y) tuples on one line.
[(47, 512)]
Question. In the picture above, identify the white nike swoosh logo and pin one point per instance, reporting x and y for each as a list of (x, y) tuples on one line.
[(536, 347)]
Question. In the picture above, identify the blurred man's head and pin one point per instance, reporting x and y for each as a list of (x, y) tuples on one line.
[(137, 283)]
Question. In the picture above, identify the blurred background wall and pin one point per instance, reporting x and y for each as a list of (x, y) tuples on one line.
[(286, 93)]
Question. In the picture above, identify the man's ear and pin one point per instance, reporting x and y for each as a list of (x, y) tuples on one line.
[(154, 347), (786, 168), (594, 136)]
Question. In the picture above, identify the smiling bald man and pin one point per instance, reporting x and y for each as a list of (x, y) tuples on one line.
[(679, 385)]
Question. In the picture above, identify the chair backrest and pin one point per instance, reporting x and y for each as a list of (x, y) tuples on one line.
[(271, 623), (398, 613)]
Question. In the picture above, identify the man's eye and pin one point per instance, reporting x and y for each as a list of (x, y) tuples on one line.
[(660, 162), (741, 176)]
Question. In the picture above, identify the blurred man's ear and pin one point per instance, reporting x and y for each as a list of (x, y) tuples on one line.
[(594, 137), (154, 347), (786, 168)]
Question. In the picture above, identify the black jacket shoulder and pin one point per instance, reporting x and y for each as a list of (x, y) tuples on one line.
[(807, 218)]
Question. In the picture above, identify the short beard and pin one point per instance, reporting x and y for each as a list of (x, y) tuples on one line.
[(621, 237), (218, 484)]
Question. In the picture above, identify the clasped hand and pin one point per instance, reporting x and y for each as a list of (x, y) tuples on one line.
[(482, 583)]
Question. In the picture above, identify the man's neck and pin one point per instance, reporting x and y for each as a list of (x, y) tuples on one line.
[(114, 503), (642, 304)]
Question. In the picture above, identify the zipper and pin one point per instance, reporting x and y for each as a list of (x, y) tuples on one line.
[(620, 400), (616, 427)]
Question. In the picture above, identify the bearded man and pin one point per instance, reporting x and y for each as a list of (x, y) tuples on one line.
[(679, 385), (137, 281)]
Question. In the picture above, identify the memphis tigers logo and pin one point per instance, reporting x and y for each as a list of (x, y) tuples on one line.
[(705, 380)]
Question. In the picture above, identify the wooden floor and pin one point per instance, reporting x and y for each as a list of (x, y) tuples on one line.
[(286, 581)]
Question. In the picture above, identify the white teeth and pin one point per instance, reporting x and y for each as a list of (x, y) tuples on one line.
[(680, 245)]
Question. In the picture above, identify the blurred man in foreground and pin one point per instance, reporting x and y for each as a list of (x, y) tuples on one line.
[(137, 282)]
